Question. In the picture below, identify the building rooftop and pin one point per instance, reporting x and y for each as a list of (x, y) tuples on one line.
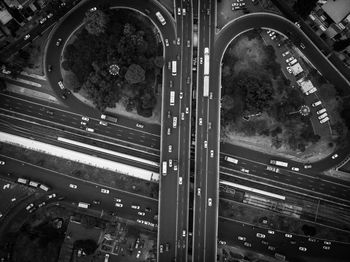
[(337, 10)]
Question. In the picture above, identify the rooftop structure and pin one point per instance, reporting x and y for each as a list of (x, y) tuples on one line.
[(337, 10)]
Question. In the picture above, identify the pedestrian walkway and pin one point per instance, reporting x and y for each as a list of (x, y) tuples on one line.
[(32, 93), (34, 76)]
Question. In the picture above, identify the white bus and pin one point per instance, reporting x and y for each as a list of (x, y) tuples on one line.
[(206, 86), (43, 187), (173, 68), (206, 61), (160, 18), (22, 181), (231, 159), (172, 98), (279, 163), (83, 205), (164, 169)]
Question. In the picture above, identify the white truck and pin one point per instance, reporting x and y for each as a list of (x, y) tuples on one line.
[(164, 168), (172, 98), (278, 163), (109, 118), (231, 159), (83, 205), (173, 68)]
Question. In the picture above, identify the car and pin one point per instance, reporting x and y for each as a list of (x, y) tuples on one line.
[(307, 166), (198, 191), (51, 196), (312, 240), (83, 123), (96, 202), (64, 97), (259, 235), (200, 121), (166, 42), (85, 118), (264, 242), (167, 247), (139, 125), (288, 235), (334, 156), (26, 37), (178, 11), (321, 111), (289, 70), (42, 20), (93, 9), (104, 191), (322, 116), (271, 248), (73, 186), (169, 114), (49, 15), (324, 120), (184, 233), (148, 209), (32, 210), (188, 43), (29, 206), (212, 153), (289, 59), (42, 204), (60, 84), (178, 41), (170, 162), (245, 170), (271, 232), (201, 60), (103, 123), (175, 165), (302, 249), (317, 103), (49, 68), (326, 247), (302, 46), (58, 41), (205, 144), (210, 95), (2, 163), (242, 238), (90, 129), (180, 180), (182, 116), (118, 200), (138, 254), (170, 148), (141, 213), (285, 53), (297, 24), (273, 37), (178, 57), (187, 110), (222, 242), (135, 206), (161, 248), (312, 90), (118, 204), (210, 202), (168, 131), (181, 95), (247, 244), (273, 169)]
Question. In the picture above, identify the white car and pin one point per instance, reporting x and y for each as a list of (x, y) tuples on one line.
[(327, 243), (93, 9), (187, 110), (201, 60), (49, 15), (205, 144), (118, 204), (222, 242), (288, 235), (183, 11), (141, 213), (168, 131), (295, 168), (317, 103), (334, 156), (326, 247), (182, 116), (307, 166), (140, 125), (324, 120), (180, 180), (210, 202), (200, 121), (42, 20), (289, 69), (188, 43), (302, 249), (60, 84), (285, 53), (170, 148), (73, 186), (26, 36), (271, 248), (245, 170), (178, 41), (170, 162), (42, 204), (271, 232), (103, 123), (135, 207), (181, 95), (2, 163), (198, 191), (118, 200), (104, 191), (312, 240), (289, 59), (302, 46), (178, 11), (297, 24), (29, 206), (259, 235), (85, 118), (312, 90), (322, 116), (212, 153), (51, 196), (166, 42), (242, 238), (83, 123), (58, 41), (321, 111), (247, 244)]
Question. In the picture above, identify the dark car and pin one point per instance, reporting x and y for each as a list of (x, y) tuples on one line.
[(148, 209), (64, 96), (49, 69), (167, 247), (169, 114), (49, 112)]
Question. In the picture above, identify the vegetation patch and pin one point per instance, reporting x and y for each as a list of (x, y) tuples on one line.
[(116, 58)]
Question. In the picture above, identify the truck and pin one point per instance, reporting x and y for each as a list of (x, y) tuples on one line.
[(33, 184), (206, 86), (231, 159), (109, 118), (44, 187), (22, 181), (278, 163), (172, 98), (164, 168), (173, 68), (206, 61), (83, 205)]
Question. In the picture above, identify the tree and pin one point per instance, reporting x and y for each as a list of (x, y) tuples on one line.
[(159, 61), (227, 102), (341, 44), (304, 7), (87, 245), (96, 22), (135, 74), (2, 85)]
